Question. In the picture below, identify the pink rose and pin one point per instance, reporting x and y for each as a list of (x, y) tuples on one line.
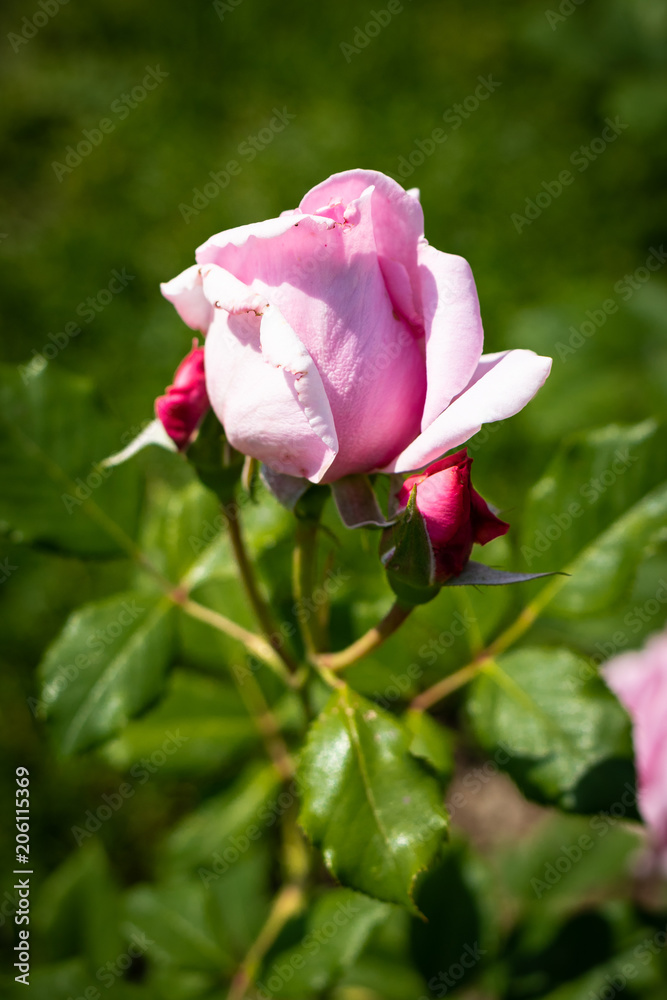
[(186, 402), (639, 680), (338, 341), (455, 515)]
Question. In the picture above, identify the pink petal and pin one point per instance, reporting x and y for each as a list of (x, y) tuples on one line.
[(398, 219), (266, 410), (453, 325), (501, 386), (186, 293)]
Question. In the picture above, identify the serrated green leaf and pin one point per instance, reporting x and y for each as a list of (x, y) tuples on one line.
[(53, 435), (566, 736), (321, 954), (108, 663), (374, 811)]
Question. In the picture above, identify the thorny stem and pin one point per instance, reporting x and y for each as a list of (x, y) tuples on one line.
[(258, 604), (367, 643)]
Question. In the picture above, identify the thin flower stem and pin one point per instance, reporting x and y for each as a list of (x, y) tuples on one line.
[(367, 643), (485, 657), (304, 574), (288, 902), (255, 644), (257, 602), (447, 685), (267, 726)]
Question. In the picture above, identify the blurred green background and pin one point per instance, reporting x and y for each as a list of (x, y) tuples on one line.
[(227, 68)]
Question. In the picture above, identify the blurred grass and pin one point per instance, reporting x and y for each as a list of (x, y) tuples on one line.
[(120, 209)]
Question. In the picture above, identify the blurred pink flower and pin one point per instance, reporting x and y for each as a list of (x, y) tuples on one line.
[(639, 680)]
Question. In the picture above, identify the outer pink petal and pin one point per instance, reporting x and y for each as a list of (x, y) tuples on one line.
[(398, 223), (186, 293), (268, 395), (501, 386), (453, 326)]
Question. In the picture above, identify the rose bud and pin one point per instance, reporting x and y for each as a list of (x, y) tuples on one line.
[(339, 342), (639, 680), (443, 517), (186, 403)]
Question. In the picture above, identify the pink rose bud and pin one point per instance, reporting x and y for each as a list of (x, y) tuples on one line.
[(454, 513), (339, 342), (183, 407), (639, 680)]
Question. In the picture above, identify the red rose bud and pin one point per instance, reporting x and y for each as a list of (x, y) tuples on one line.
[(444, 516), (186, 402), (455, 515)]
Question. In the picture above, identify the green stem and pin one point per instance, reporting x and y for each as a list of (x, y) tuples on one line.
[(289, 901), (304, 574), (367, 643), (257, 602), (524, 621), (255, 644)]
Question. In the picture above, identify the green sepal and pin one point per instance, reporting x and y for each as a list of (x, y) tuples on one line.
[(407, 555), (218, 465)]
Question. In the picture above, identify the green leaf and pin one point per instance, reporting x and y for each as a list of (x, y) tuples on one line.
[(407, 555), (53, 435), (321, 955), (368, 804), (208, 721), (565, 736), (213, 837), (597, 510), (431, 742), (108, 663)]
